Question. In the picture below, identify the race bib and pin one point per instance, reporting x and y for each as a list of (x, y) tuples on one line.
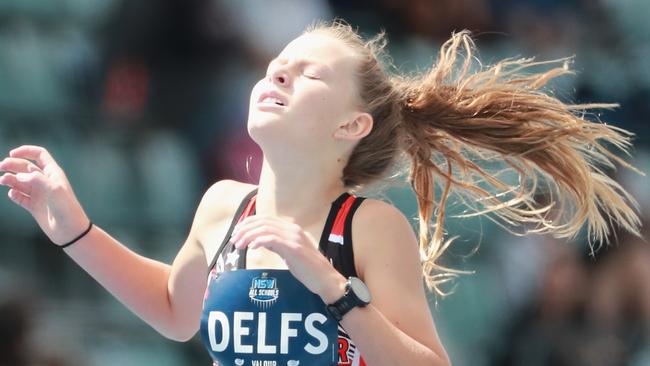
[(266, 317)]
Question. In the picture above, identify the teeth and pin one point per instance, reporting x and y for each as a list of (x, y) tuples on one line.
[(272, 101)]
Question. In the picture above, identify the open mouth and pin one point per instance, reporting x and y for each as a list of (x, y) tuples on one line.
[(272, 98)]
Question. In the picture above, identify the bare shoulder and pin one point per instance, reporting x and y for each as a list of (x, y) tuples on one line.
[(387, 256), (378, 223), (373, 209), (218, 205), (223, 197)]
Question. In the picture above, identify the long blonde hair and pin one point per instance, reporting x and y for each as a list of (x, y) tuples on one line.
[(449, 119)]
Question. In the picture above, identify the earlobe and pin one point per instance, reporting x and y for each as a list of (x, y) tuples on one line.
[(355, 129)]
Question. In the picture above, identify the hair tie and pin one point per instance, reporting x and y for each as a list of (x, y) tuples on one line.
[(90, 225)]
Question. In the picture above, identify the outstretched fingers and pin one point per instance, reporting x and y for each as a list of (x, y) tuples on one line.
[(17, 165), (25, 183), (32, 152)]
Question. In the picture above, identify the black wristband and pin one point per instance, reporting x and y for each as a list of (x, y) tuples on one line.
[(90, 225)]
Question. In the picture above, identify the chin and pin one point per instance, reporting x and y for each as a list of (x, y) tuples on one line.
[(264, 129), (271, 135)]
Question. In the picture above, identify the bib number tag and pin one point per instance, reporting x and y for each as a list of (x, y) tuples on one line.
[(266, 317)]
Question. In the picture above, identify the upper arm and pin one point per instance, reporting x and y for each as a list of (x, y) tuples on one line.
[(387, 256), (189, 272)]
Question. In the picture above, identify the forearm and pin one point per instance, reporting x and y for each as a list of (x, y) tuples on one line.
[(379, 341), (383, 344), (138, 282)]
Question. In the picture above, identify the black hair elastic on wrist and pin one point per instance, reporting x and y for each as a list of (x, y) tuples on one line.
[(90, 225)]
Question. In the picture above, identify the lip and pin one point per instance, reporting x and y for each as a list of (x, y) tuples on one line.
[(272, 94), (269, 107)]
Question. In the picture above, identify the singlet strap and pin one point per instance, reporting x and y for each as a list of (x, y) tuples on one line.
[(348, 252), (245, 205), (336, 242), (335, 212)]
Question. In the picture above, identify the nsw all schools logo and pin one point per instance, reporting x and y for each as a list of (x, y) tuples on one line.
[(264, 291)]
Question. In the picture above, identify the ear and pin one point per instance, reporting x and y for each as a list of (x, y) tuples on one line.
[(356, 128)]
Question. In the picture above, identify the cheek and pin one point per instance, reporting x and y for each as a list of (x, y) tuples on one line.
[(317, 115), (321, 107)]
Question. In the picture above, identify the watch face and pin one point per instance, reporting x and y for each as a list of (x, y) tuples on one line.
[(360, 289)]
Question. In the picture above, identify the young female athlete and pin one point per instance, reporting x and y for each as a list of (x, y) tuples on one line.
[(331, 119)]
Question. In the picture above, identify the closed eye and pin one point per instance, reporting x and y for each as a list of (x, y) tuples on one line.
[(310, 73)]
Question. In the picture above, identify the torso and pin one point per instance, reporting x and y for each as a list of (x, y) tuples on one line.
[(332, 235)]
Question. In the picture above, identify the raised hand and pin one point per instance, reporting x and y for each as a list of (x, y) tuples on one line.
[(39, 185), (298, 251)]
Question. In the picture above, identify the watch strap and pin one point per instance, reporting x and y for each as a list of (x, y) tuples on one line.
[(346, 303)]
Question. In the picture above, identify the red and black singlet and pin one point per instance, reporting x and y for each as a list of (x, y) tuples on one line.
[(335, 244)]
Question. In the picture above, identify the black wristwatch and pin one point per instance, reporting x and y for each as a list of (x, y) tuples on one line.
[(356, 294)]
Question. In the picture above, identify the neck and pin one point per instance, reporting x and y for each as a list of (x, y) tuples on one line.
[(301, 192)]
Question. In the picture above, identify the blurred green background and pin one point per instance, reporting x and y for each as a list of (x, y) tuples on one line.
[(144, 105)]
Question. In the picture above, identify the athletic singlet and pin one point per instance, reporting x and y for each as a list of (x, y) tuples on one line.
[(335, 243)]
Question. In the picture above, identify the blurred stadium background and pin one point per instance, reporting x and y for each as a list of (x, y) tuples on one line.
[(144, 105)]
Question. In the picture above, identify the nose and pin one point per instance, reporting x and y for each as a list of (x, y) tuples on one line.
[(280, 77)]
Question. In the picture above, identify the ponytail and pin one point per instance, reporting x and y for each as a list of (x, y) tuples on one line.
[(452, 121)]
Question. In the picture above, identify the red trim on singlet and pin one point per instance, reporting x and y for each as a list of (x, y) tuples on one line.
[(249, 208), (336, 234)]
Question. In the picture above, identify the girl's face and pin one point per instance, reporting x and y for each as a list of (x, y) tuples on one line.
[(307, 93)]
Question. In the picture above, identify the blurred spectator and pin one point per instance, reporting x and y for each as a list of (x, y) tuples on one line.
[(588, 311), (14, 329), (19, 310)]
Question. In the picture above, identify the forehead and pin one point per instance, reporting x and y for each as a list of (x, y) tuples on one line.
[(321, 49)]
